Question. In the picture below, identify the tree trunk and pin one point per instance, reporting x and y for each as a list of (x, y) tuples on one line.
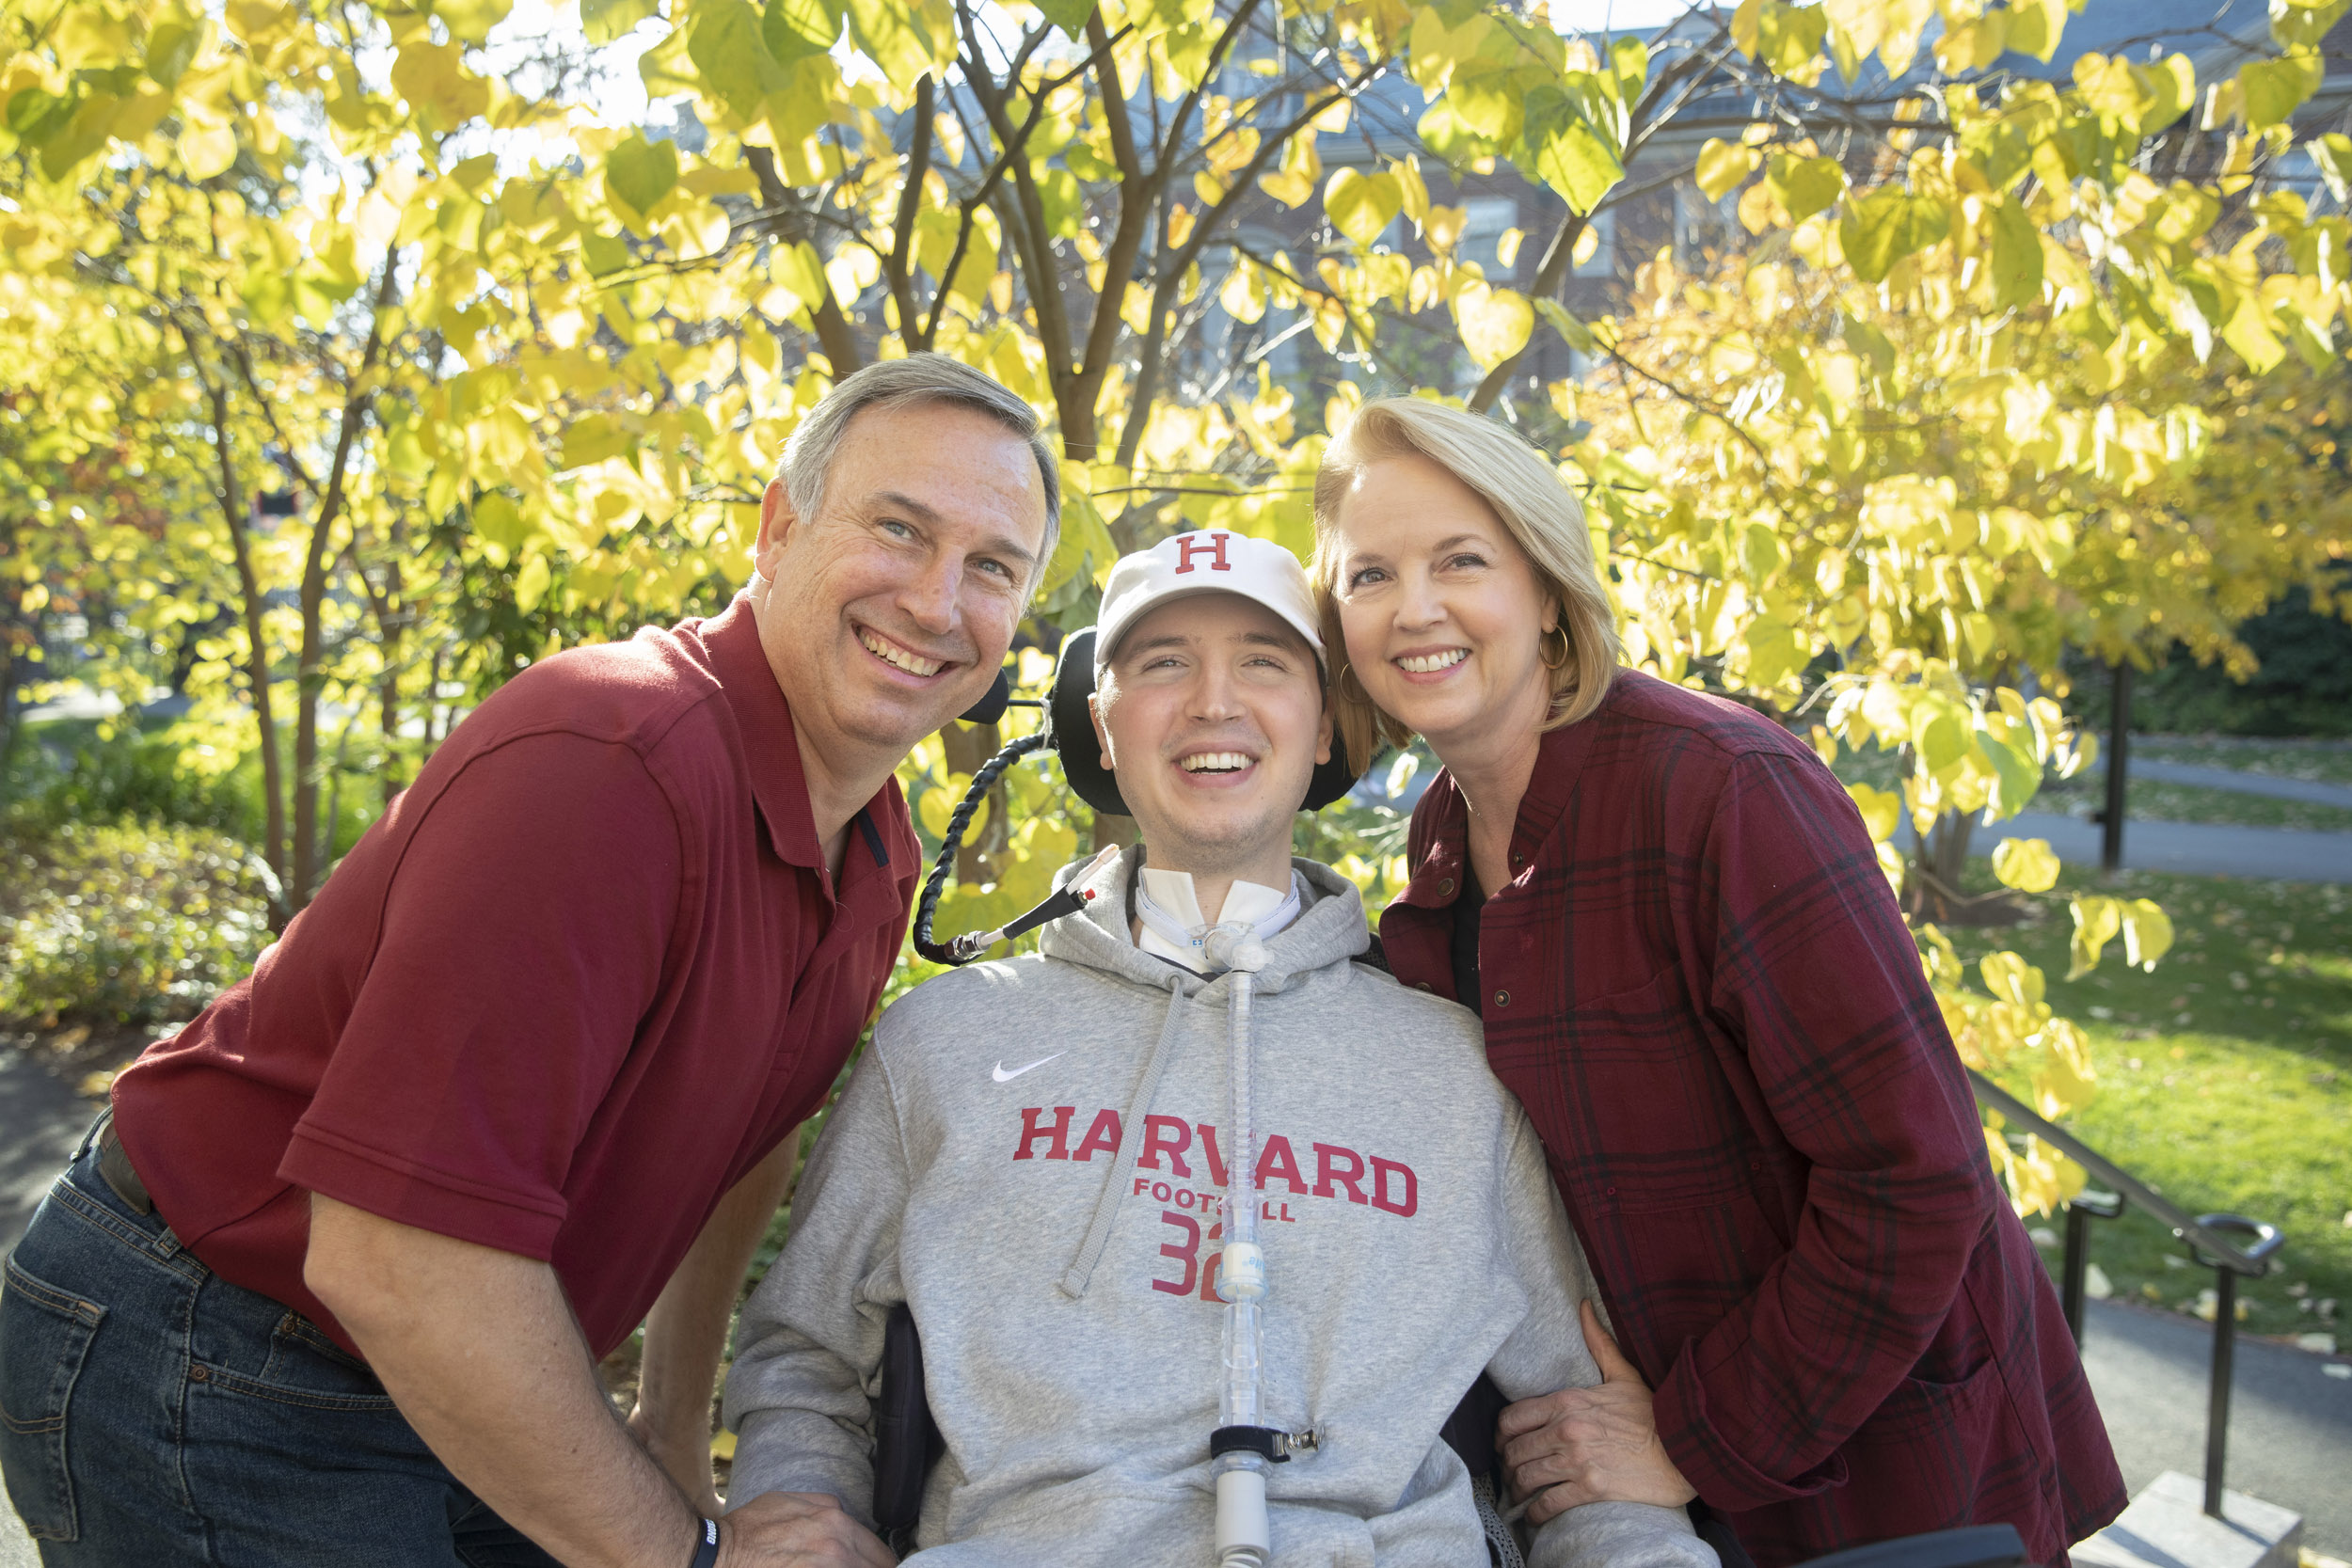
[(1947, 854), (435, 720), (1933, 889), (308, 678), (391, 627), (1078, 427), (968, 747), (257, 663), (311, 671), (12, 667), (834, 333), (390, 773)]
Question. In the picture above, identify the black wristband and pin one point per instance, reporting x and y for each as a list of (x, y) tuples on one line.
[(705, 1543)]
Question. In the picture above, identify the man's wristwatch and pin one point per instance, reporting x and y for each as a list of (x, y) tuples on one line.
[(705, 1543)]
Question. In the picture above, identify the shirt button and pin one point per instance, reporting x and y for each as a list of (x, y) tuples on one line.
[(1613, 1191), (1445, 888), (1421, 985), (1502, 999), (1518, 858)]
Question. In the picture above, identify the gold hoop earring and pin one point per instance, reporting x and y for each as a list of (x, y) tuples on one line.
[(1347, 673), (1543, 649)]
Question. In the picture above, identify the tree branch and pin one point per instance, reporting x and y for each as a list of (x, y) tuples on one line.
[(1169, 148), (1034, 242), (1171, 271), (1683, 395), (899, 264), (833, 329), (233, 510), (970, 204), (1114, 93), (358, 399), (1138, 197)]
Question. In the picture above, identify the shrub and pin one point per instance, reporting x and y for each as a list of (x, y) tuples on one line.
[(128, 922), (79, 771)]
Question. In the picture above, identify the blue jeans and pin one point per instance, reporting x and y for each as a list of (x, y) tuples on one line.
[(151, 1414)]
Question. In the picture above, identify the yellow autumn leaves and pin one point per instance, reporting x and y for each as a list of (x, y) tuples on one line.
[(1981, 394), (2009, 1029)]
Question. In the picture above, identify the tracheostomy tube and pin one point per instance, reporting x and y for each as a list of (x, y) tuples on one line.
[(1244, 1537)]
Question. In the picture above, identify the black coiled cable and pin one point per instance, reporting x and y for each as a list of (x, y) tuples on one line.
[(926, 906)]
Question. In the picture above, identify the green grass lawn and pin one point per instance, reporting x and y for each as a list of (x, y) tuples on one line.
[(2225, 1081)]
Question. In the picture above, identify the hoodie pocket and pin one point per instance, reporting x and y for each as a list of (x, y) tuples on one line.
[(45, 1335)]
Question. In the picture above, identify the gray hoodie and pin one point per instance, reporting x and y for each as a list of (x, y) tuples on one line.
[(1030, 1157)]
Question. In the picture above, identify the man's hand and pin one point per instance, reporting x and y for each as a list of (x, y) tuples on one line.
[(799, 1530), (1589, 1445)]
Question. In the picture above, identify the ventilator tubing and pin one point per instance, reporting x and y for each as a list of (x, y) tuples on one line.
[(1243, 1538)]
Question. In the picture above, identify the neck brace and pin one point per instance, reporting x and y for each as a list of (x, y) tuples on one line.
[(1174, 926)]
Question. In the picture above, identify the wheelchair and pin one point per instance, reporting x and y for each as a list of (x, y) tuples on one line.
[(907, 1444)]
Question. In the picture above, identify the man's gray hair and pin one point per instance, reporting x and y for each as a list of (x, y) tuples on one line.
[(918, 378)]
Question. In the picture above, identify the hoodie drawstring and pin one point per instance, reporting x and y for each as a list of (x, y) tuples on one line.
[(1081, 1270)]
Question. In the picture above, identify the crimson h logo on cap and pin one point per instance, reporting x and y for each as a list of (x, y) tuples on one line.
[(1207, 561), (1189, 545)]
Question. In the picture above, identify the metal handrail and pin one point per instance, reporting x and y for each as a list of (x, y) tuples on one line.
[(2203, 1232), (2211, 1238)]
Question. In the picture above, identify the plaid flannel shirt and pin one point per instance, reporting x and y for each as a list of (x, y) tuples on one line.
[(1699, 985)]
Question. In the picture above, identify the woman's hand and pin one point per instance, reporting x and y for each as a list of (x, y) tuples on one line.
[(1589, 1445)]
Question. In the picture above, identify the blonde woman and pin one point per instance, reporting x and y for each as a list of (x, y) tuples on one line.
[(1694, 975)]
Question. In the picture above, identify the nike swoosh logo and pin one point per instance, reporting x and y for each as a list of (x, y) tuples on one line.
[(1004, 1077)]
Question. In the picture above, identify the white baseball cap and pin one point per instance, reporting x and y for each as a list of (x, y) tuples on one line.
[(1206, 560)]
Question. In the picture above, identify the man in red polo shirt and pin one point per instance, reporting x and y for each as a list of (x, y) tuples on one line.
[(331, 1285)]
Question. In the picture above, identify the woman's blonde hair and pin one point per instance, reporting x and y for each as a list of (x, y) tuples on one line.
[(1525, 492)]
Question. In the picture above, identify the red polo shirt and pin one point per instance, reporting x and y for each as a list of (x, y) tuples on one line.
[(1698, 984), (581, 977)]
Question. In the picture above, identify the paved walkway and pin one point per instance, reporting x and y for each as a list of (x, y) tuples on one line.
[(2290, 1422), (2195, 849), (2310, 791), (16, 1547), (42, 1120)]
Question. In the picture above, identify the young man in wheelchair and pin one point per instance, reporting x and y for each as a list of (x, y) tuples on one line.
[(1031, 1157)]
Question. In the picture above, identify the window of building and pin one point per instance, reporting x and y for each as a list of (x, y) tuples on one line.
[(1489, 218), (1701, 225), (1602, 262)]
